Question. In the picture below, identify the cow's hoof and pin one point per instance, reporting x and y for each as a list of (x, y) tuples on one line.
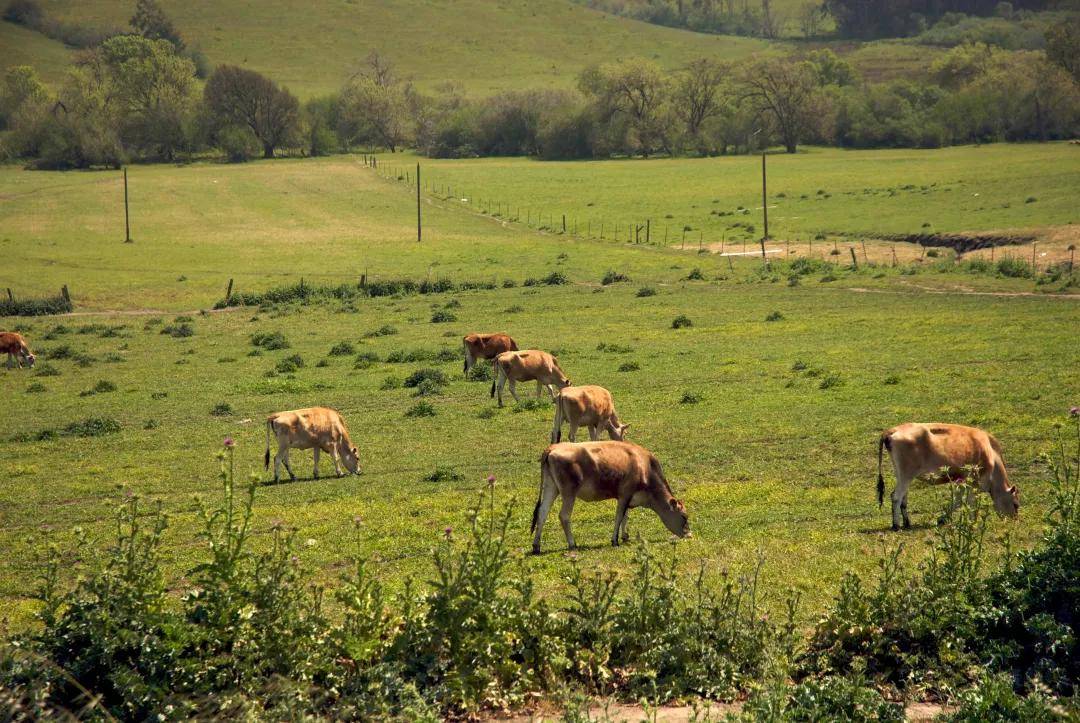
[(895, 527), (907, 524), (536, 549)]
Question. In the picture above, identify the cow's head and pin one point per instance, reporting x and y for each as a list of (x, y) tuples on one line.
[(673, 513), (563, 382), (351, 458), (617, 431), (29, 358), (1007, 502)]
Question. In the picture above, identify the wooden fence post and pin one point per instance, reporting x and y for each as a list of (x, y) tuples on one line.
[(10, 296), (65, 294), (865, 258), (564, 223), (648, 229), (127, 217), (854, 261), (228, 292)]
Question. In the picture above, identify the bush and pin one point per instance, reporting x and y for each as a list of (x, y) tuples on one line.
[(993, 700), (178, 331), (774, 316), (239, 144), (614, 348), (631, 366), (384, 330), (444, 474), (691, 398), (35, 388), (830, 380), (436, 376), (614, 277), (646, 291), (681, 322), (555, 278), (270, 342), (1013, 267), (480, 372), (36, 307), (695, 275), (102, 387), (46, 370), (342, 348), (289, 364), (442, 316), (423, 408), (365, 360), (92, 427), (221, 409)]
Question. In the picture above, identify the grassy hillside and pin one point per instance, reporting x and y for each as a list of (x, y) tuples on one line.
[(772, 456), (481, 45), (20, 46)]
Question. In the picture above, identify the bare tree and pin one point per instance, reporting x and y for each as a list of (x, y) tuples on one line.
[(784, 92), (697, 95), (240, 97), (637, 90)]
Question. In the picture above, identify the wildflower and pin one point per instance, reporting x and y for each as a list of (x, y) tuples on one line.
[(277, 524), (357, 520), (491, 480), (448, 532), (229, 443), (309, 542), (1074, 411)]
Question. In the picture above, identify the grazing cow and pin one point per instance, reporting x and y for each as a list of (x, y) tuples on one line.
[(318, 428), (921, 449), (595, 471), (14, 345), (588, 406), (526, 366), (485, 346)]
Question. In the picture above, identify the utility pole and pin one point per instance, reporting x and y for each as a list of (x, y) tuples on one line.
[(764, 205), (418, 225), (127, 218)]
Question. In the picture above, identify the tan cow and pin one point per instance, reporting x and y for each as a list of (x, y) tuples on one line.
[(922, 449), (587, 406), (593, 471), (318, 428), (485, 346), (14, 345), (526, 366)]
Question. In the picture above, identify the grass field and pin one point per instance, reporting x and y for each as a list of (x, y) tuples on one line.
[(477, 44), (769, 458)]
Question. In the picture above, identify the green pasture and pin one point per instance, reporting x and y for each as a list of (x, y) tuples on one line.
[(770, 458), (478, 45), (817, 191)]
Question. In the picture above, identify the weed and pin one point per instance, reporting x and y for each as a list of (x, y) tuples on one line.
[(342, 348), (681, 322), (178, 331), (486, 413), (444, 474), (389, 383), (221, 409), (270, 341), (384, 330), (645, 291), (614, 277), (691, 398), (695, 275), (289, 364), (365, 359), (102, 387), (614, 348), (631, 366), (442, 317), (830, 380), (423, 408), (774, 316), (46, 370), (92, 427), (435, 376), (531, 404), (515, 309), (891, 380), (35, 388)]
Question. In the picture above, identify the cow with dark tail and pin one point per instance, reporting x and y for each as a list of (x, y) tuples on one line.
[(14, 345), (317, 428)]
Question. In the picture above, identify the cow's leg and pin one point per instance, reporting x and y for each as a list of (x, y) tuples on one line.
[(626, 526), (315, 474), (513, 391), (573, 432), (539, 390), (594, 433), (551, 391), (548, 492), (620, 519), (337, 460), (899, 497), (288, 467), (10, 360), (564, 518), (468, 361)]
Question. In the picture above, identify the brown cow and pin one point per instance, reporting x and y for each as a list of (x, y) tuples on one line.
[(14, 345), (526, 366), (922, 449), (595, 471), (485, 346), (587, 406), (318, 428)]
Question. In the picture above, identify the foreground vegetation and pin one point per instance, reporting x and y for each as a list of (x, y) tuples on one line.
[(251, 636)]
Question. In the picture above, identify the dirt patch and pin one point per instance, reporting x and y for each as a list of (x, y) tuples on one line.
[(959, 242)]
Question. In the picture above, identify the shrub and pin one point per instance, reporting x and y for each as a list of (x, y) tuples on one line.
[(365, 359), (342, 348), (35, 307), (1014, 268), (993, 700), (102, 387), (480, 372), (834, 698), (774, 316), (289, 364), (441, 317), (92, 427), (444, 474), (436, 376), (448, 355), (531, 404), (631, 366), (428, 388), (384, 330), (60, 352), (695, 275), (555, 278), (681, 322), (646, 291), (35, 388), (270, 342), (691, 398), (515, 309), (239, 144), (221, 409), (830, 380), (614, 348), (933, 253), (178, 331), (614, 277), (486, 413), (423, 408), (389, 383), (46, 370), (891, 380)]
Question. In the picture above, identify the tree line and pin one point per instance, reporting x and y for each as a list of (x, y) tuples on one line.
[(137, 96)]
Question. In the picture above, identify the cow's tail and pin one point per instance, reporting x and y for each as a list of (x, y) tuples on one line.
[(883, 444), (556, 433), (495, 377), (545, 475), (465, 345), (269, 429)]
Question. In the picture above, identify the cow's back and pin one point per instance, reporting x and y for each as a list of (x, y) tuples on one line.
[(931, 446), (11, 342), (314, 423)]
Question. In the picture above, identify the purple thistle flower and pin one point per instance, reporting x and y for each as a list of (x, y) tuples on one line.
[(229, 443), (448, 532), (491, 480), (1074, 411)]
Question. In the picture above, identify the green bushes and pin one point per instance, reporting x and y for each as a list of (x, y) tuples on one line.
[(614, 277), (681, 322), (59, 304), (270, 341), (304, 293)]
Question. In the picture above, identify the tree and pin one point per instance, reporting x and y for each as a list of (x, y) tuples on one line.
[(637, 91), (1063, 45), (831, 69), (374, 106), (151, 90), (151, 22), (697, 96), (783, 92), (240, 97), (810, 17), (21, 87)]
